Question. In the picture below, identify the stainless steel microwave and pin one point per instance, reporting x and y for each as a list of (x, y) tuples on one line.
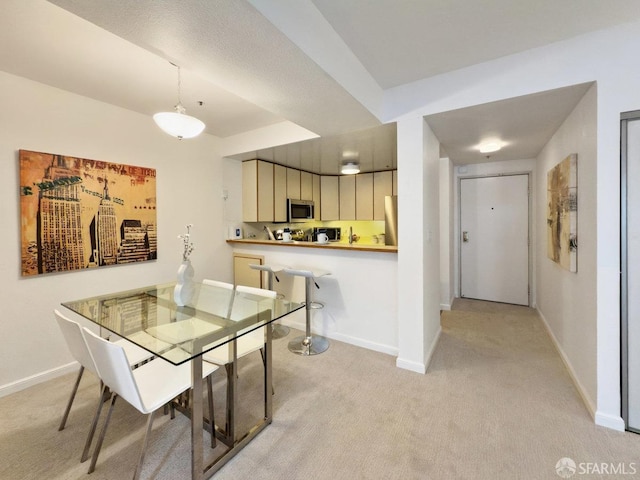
[(299, 210)]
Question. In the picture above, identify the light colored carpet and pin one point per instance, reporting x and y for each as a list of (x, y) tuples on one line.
[(496, 403)]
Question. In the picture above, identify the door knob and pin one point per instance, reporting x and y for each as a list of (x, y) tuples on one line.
[(465, 236)]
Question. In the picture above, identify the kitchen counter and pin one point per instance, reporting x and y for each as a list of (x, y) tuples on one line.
[(325, 246)]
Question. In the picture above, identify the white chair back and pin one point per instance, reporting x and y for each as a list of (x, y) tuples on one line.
[(215, 301), (72, 332), (260, 292), (113, 368)]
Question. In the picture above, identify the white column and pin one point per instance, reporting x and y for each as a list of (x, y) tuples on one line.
[(418, 244)]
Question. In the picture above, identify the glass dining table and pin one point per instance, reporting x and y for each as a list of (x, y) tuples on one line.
[(214, 316)]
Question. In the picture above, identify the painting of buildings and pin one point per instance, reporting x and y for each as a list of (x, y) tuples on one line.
[(562, 213), (78, 213)]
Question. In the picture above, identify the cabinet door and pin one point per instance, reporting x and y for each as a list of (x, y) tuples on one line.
[(347, 197), (279, 193), (306, 186), (329, 198), (250, 191), (243, 274), (265, 191), (382, 187), (364, 196), (317, 211), (395, 181), (293, 183)]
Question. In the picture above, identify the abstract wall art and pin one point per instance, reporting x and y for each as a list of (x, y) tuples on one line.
[(78, 213), (562, 213)]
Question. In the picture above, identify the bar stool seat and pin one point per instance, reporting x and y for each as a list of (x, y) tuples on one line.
[(308, 344), (277, 330)]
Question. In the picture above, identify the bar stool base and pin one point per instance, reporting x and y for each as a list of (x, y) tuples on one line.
[(279, 331), (307, 346)]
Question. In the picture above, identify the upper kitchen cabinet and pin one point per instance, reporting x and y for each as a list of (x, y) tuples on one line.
[(382, 187), (317, 211), (347, 197), (306, 186), (364, 196), (329, 197), (257, 191), (279, 193), (293, 183)]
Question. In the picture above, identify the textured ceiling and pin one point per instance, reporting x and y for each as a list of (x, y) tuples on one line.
[(322, 64), (402, 41)]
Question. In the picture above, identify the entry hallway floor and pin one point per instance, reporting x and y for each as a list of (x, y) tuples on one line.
[(496, 403)]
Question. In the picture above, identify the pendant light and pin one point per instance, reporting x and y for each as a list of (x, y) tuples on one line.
[(178, 124)]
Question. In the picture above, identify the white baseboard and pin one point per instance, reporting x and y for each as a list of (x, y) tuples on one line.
[(411, 366), (358, 342), (588, 402), (610, 421), (432, 347), (445, 306), (27, 382)]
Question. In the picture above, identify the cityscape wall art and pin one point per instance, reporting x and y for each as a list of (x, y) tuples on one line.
[(562, 213), (78, 213)]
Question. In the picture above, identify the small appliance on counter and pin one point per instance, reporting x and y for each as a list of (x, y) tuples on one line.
[(296, 235), (333, 233)]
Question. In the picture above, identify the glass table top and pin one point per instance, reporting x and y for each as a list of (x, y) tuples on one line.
[(150, 318)]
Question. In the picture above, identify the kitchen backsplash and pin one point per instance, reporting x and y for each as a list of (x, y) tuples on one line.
[(368, 231)]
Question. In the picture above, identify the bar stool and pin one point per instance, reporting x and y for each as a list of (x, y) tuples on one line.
[(308, 344), (277, 330)]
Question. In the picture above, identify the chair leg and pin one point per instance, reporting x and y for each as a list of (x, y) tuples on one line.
[(73, 395), (94, 423), (145, 442), (212, 420), (96, 451)]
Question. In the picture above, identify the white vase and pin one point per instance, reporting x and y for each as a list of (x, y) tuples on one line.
[(183, 290)]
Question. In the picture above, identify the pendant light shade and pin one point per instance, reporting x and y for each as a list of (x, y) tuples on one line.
[(177, 123)]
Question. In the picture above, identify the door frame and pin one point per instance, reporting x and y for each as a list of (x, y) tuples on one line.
[(529, 227), (624, 271)]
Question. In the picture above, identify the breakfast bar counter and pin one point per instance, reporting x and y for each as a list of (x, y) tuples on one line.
[(329, 245)]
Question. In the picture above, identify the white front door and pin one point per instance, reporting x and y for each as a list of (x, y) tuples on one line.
[(494, 238)]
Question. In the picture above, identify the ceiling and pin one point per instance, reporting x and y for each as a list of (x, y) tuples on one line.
[(374, 149), (322, 64)]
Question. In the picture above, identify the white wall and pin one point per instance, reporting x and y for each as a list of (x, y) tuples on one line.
[(41, 118), (567, 301), (359, 296), (418, 244), (608, 57)]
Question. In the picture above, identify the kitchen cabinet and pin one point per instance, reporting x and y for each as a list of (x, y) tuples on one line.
[(243, 274), (395, 181), (329, 197), (382, 187), (293, 183), (306, 186), (257, 191), (317, 211), (364, 196), (279, 193), (347, 197)]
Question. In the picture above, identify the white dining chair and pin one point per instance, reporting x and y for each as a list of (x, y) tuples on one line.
[(147, 388), (246, 344), (72, 332)]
